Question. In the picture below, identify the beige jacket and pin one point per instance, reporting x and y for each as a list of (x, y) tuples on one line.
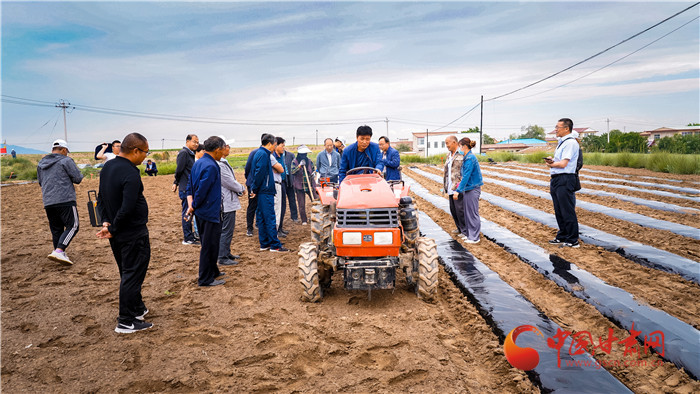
[(456, 171)]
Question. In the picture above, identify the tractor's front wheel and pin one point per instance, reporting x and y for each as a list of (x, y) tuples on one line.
[(427, 283), (320, 224), (308, 272)]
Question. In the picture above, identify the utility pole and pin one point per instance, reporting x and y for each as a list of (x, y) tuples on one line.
[(316, 137), (162, 143), (608, 120), (294, 139), (63, 104), (481, 125), (427, 143), (387, 127)]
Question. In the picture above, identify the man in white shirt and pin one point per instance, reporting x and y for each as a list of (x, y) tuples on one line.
[(107, 156), (277, 171), (452, 175), (562, 185)]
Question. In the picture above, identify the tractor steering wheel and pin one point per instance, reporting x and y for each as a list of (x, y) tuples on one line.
[(359, 169)]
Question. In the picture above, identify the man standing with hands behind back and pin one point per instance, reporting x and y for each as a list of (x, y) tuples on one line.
[(124, 214), (563, 183), (185, 161)]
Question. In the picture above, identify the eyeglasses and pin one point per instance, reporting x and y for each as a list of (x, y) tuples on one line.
[(147, 152)]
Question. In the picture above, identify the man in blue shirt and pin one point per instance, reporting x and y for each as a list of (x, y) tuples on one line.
[(390, 159), (328, 161), (362, 153), (263, 188), (252, 201), (563, 182), (204, 198)]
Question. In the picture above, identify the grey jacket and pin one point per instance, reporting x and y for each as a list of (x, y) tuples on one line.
[(326, 169), (230, 188), (56, 175)]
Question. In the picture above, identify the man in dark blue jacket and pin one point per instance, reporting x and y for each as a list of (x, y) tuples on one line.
[(262, 188), (362, 153), (252, 201), (204, 199), (391, 160), (185, 161)]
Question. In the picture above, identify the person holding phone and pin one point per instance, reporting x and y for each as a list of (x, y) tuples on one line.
[(563, 184)]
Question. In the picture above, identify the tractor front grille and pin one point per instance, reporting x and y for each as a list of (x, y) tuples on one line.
[(374, 217)]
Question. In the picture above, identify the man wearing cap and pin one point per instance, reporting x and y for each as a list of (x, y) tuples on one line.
[(339, 144), (231, 190), (281, 189), (362, 153), (328, 162), (184, 163), (56, 174), (286, 158), (302, 168)]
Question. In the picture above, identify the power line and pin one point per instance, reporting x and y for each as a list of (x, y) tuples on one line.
[(593, 56), (460, 117), (611, 63)]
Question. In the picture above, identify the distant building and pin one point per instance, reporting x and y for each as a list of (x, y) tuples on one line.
[(402, 141), (429, 144), (582, 132), (515, 145), (661, 132)]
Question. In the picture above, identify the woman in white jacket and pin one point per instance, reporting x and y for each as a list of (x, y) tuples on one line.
[(231, 190)]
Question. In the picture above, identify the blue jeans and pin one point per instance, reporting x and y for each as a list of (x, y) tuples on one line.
[(267, 224)]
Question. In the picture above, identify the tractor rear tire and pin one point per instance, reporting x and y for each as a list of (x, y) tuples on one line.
[(321, 224), (308, 272), (427, 283)]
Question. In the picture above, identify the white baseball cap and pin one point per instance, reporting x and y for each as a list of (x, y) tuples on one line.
[(227, 141), (60, 144), (303, 149), (341, 139)]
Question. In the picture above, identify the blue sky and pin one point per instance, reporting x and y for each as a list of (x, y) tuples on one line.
[(333, 66)]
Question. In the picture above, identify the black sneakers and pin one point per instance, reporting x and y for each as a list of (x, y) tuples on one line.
[(571, 244), (280, 249), (227, 261), (142, 315), (556, 241), (136, 325), (215, 282)]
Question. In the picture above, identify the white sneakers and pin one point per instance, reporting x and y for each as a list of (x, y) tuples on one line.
[(467, 240), (60, 257)]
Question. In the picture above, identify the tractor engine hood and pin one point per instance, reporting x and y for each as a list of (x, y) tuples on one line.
[(365, 191)]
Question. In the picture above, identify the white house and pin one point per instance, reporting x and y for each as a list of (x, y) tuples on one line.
[(429, 144)]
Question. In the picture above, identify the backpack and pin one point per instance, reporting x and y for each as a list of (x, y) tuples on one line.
[(579, 165)]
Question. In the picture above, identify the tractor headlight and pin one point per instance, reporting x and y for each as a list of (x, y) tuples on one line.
[(384, 238), (352, 238)]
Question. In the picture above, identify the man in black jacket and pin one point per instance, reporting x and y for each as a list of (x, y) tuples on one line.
[(124, 214), (185, 161), (252, 201)]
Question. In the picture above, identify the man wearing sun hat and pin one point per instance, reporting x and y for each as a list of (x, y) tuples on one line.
[(56, 174)]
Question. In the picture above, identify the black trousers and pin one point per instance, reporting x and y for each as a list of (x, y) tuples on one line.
[(561, 188), (187, 231), (132, 258), (63, 222), (228, 223), (284, 206), (457, 211), (291, 196), (250, 212), (210, 236)]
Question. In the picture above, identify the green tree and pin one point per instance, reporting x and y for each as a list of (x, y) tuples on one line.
[(403, 148), (693, 124), (488, 139), (474, 129), (594, 143), (687, 144), (532, 131)]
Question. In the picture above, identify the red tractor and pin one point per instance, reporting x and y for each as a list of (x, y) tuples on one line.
[(366, 227)]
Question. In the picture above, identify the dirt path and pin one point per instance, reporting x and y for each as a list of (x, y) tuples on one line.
[(252, 334)]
